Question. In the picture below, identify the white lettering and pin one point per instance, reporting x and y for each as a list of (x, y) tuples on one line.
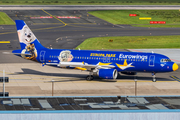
[(133, 56)]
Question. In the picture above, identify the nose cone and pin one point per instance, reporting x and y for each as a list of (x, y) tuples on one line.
[(175, 67)]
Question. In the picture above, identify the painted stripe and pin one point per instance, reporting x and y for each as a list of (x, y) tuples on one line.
[(54, 17), (145, 18), (4, 41), (175, 78)]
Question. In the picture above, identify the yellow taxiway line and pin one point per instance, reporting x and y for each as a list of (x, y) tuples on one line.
[(54, 17), (4, 41)]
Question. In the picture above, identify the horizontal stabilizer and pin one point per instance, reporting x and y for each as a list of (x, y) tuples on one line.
[(19, 52)]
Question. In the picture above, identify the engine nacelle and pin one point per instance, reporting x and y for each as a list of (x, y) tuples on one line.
[(107, 73), (129, 73)]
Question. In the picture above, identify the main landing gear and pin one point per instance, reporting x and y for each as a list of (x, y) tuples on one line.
[(89, 77), (154, 77)]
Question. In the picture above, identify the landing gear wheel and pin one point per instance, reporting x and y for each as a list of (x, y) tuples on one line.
[(154, 80), (153, 77), (89, 78)]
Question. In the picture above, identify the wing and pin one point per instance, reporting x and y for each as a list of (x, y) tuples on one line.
[(82, 65)]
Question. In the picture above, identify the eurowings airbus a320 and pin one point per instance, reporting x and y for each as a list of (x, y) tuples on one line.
[(105, 64)]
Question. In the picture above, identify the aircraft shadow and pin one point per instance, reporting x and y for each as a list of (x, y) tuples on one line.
[(82, 77), (34, 72)]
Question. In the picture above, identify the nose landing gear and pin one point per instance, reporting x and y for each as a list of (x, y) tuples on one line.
[(153, 77)]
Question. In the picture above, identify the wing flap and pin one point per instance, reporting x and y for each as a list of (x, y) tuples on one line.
[(84, 65)]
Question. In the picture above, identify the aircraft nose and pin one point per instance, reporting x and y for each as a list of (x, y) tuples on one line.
[(175, 67)]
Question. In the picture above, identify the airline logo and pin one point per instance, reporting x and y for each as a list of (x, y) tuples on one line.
[(144, 57), (125, 65)]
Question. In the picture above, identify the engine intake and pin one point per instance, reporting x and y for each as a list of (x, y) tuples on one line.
[(107, 73)]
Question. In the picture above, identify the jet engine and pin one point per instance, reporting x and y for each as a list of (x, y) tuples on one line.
[(107, 73)]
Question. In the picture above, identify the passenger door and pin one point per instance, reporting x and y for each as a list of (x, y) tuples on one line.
[(151, 60), (42, 56)]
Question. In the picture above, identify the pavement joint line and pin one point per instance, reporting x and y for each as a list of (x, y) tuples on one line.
[(91, 27), (35, 29), (54, 17), (7, 33), (31, 75), (49, 28)]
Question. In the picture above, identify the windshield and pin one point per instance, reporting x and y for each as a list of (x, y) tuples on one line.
[(165, 60)]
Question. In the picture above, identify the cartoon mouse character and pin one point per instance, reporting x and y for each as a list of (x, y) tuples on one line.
[(65, 56), (27, 37)]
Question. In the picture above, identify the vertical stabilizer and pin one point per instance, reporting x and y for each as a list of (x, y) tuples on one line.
[(26, 36), (30, 46)]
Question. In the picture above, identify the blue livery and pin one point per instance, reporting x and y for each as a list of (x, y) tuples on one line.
[(105, 64)]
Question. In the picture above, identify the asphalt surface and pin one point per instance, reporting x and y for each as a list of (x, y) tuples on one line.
[(69, 33)]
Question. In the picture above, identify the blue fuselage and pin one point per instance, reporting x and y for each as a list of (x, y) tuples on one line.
[(140, 62)]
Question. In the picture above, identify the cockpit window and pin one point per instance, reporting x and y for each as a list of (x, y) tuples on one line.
[(165, 60)]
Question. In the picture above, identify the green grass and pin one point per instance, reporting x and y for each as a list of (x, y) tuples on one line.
[(90, 2), (172, 17), (5, 19), (131, 42)]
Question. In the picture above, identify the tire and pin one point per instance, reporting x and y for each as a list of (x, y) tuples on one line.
[(89, 78), (154, 80)]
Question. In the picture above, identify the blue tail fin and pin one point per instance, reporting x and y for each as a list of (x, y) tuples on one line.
[(26, 36), (30, 46)]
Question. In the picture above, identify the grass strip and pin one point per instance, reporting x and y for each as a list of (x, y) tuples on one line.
[(171, 17), (131, 42), (5, 19)]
